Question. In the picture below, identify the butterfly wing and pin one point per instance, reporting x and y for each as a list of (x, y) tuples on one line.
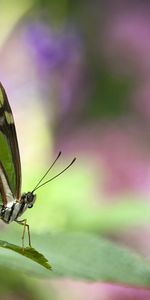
[(9, 152)]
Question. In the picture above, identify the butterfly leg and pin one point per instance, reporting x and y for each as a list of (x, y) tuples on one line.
[(25, 225)]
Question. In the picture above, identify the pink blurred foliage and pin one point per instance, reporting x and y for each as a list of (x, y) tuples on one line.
[(126, 47), (126, 38), (127, 161), (123, 148), (119, 150), (69, 289)]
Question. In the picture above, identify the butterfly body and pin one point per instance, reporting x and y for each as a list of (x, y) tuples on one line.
[(14, 209)]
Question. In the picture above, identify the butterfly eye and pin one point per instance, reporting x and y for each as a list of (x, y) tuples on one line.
[(29, 197), (30, 205)]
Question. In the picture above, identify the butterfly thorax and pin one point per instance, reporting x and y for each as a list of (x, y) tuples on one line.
[(14, 209)]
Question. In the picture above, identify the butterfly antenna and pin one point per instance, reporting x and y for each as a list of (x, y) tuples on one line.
[(47, 172), (56, 175)]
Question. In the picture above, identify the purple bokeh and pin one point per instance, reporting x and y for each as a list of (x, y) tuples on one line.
[(52, 48), (58, 55)]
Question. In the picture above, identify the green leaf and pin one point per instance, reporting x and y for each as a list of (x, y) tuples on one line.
[(81, 256), (28, 252), (15, 283)]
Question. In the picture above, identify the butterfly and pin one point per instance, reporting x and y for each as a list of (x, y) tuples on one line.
[(12, 203)]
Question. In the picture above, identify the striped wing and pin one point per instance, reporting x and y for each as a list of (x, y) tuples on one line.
[(9, 151)]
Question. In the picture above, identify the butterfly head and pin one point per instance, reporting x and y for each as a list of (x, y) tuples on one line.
[(28, 198)]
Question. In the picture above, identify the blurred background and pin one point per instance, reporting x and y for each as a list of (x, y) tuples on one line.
[(77, 75)]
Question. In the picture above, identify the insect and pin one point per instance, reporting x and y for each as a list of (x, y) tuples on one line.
[(12, 203)]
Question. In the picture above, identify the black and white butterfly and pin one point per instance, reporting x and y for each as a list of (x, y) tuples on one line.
[(12, 203)]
